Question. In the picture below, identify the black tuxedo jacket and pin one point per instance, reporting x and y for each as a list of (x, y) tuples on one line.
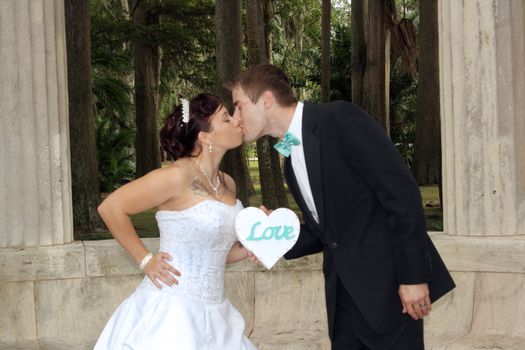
[(371, 224)]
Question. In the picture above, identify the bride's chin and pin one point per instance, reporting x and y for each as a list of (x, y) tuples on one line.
[(239, 143)]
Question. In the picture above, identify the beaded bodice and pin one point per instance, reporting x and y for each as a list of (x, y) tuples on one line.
[(198, 239)]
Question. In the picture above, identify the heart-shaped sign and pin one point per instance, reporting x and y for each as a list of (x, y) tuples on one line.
[(267, 237)]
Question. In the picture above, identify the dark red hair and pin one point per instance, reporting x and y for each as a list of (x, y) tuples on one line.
[(179, 139)]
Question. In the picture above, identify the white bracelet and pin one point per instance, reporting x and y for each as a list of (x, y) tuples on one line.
[(145, 261)]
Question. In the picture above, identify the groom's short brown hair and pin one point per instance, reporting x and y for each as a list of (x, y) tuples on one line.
[(265, 77)]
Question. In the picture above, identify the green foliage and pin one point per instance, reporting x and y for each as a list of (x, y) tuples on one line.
[(403, 90), (113, 109), (296, 44), (341, 70), (184, 31), (403, 98), (115, 154)]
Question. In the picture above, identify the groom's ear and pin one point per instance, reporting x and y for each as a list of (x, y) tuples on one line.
[(268, 98)]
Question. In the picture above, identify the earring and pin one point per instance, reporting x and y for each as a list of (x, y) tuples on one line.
[(209, 147)]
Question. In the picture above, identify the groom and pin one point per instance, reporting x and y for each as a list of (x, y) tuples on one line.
[(361, 206)]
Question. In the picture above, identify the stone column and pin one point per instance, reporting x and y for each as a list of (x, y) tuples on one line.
[(35, 187), (482, 77), (482, 54)]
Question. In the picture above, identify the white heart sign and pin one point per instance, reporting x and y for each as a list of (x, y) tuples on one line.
[(267, 237)]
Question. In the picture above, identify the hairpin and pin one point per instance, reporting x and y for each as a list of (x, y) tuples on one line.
[(185, 110)]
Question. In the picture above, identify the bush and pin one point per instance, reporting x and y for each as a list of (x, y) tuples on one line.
[(115, 153)]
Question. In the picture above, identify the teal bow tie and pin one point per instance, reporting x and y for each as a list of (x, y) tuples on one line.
[(285, 145)]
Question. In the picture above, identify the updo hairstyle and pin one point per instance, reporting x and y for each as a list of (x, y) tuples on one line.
[(179, 139)]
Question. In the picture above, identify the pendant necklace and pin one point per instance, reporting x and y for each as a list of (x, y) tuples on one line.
[(215, 188)]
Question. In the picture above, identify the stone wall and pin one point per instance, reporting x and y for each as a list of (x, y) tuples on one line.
[(60, 297), (63, 296)]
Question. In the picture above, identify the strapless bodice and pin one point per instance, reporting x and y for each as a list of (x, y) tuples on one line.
[(198, 239)]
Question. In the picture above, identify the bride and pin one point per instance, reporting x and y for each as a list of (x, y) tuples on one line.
[(180, 304)]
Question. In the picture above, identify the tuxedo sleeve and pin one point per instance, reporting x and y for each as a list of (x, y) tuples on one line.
[(367, 148), (306, 244)]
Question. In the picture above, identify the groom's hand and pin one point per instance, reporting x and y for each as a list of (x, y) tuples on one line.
[(415, 299), (253, 258), (265, 210)]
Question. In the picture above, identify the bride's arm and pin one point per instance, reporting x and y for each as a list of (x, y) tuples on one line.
[(147, 192), (237, 253)]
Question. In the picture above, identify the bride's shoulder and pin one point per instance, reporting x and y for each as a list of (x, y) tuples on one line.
[(177, 173)]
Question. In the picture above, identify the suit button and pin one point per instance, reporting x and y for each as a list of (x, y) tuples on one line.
[(333, 245)]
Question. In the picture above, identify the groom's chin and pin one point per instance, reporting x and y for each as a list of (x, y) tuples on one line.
[(248, 138)]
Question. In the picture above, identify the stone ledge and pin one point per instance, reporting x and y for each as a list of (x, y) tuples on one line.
[(293, 340), (472, 342), (481, 254), (40, 263), (107, 258)]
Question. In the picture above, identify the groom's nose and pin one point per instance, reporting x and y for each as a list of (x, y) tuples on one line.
[(236, 117)]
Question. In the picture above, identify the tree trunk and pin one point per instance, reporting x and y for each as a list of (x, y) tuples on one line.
[(426, 164), (325, 51), (229, 61), (275, 159), (84, 167), (146, 58), (268, 27), (256, 37), (375, 99), (270, 174), (358, 52)]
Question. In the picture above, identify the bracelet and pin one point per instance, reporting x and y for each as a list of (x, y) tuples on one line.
[(145, 261)]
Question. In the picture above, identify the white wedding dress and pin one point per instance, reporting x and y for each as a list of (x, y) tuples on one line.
[(193, 315)]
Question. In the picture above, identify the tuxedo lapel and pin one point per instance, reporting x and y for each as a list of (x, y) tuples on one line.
[(312, 156)]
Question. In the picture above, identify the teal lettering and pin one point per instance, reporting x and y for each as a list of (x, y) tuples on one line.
[(252, 237), (287, 233), (271, 232)]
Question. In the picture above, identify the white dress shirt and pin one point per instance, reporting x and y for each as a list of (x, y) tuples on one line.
[(298, 161)]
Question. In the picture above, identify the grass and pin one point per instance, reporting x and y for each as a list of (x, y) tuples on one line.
[(146, 225)]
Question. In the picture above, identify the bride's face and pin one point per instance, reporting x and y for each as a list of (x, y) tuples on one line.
[(226, 132)]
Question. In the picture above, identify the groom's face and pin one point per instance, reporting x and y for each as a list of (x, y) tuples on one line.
[(252, 115)]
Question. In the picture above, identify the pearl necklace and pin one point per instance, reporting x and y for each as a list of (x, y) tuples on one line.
[(215, 188)]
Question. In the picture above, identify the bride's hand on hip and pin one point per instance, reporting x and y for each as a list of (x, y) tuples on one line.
[(158, 269)]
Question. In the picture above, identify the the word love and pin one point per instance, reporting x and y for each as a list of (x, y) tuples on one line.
[(268, 237), (270, 232)]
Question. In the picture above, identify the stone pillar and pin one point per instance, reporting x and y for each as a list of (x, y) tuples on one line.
[(482, 77), (482, 54), (35, 187)]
